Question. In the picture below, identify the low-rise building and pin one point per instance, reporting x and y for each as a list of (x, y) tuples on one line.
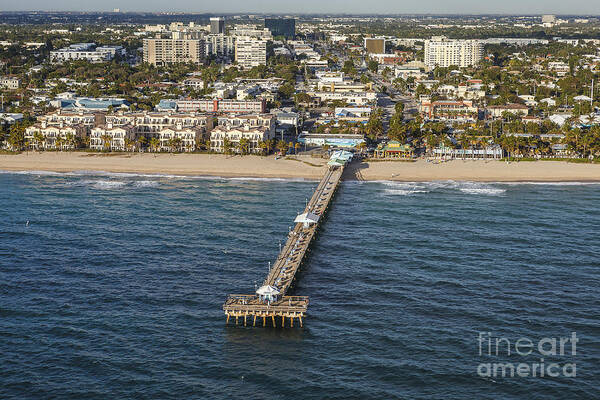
[(228, 138), (194, 83), (498, 111), (113, 138), (86, 51), (87, 104), (54, 137), (351, 98), (444, 110), (214, 105), (7, 119), (347, 140), (179, 138), (10, 82)]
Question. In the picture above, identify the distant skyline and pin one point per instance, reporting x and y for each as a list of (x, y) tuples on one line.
[(572, 7)]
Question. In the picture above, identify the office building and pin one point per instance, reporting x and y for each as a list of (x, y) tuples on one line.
[(250, 52), (217, 25), (285, 27), (443, 52), (169, 51), (375, 45)]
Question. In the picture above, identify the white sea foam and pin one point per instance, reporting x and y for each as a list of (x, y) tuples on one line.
[(467, 187), (488, 191), (403, 192), (572, 183), (37, 173), (143, 184), (104, 184), (404, 188)]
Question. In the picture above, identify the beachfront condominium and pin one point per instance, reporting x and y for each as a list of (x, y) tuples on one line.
[(255, 129), (217, 25), (169, 51), (285, 27), (250, 52), (443, 52)]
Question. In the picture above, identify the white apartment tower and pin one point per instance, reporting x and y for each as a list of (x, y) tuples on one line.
[(443, 52), (168, 51), (250, 52)]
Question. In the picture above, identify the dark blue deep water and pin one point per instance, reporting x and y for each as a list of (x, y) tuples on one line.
[(114, 289)]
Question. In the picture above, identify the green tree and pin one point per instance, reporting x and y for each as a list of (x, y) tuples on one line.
[(154, 144), (282, 146), (243, 146), (38, 138)]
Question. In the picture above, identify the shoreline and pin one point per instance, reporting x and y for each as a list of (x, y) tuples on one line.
[(300, 167)]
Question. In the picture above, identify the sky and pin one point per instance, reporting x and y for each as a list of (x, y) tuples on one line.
[(571, 7)]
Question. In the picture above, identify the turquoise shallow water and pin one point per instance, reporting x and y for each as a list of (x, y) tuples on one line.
[(114, 289)]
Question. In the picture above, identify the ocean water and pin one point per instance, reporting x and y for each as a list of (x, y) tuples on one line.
[(111, 287)]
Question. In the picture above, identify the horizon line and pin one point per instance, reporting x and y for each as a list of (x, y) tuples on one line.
[(304, 13)]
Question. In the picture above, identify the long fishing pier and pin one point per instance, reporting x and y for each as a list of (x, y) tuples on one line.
[(271, 299)]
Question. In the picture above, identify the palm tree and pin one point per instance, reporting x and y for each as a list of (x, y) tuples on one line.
[(60, 141), (227, 146), (141, 141), (154, 144), (282, 146), (175, 144), (129, 144), (432, 142), (269, 145), (38, 138), (243, 146), (70, 140), (262, 145), (464, 142), (106, 140), (362, 146)]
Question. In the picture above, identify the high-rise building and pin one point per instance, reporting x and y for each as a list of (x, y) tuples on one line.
[(443, 52), (217, 25), (375, 45), (252, 31), (169, 51), (220, 45), (285, 27), (549, 19), (250, 52)]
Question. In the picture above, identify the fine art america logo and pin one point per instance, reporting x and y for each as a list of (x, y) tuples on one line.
[(551, 354)]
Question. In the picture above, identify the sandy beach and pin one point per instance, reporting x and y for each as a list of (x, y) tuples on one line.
[(305, 167)]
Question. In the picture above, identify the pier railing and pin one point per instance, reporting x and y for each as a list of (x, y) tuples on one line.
[(282, 274)]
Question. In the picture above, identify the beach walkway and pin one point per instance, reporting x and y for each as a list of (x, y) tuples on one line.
[(271, 302)]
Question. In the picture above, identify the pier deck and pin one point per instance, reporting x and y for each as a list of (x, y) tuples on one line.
[(283, 272)]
